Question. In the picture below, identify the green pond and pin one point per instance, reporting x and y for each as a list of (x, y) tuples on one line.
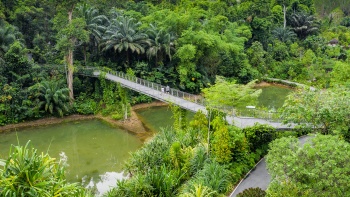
[(156, 118), (273, 96), (95, 152)]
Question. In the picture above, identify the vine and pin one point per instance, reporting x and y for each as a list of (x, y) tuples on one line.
[(179, 116), (114, 99)]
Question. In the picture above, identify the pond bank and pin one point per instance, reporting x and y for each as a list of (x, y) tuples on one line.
[(132, 124)]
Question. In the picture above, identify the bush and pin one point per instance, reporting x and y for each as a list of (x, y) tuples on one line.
[(86, 107), (252, 192), (214, 176), (138, 185), (198, 190), (259, 136), (27, 173)]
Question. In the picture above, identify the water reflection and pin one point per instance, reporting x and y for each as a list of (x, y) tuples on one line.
[(93, 152), (105, 182)]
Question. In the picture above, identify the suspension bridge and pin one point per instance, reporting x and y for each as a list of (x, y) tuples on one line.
[(182, 99)]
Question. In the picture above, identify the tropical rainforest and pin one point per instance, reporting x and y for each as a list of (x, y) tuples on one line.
[(190, 45)]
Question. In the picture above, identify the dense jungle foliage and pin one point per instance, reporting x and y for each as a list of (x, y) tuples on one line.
[(183, 44), (189, 45)]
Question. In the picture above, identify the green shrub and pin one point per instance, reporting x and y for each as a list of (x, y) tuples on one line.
[(153, 154), (86, 107), (27, 173), (214, 176), (141, 99), (117, 116), (199, 158), (198, 190), (164, 181), (252, 192), (259, 136), (137, 185)]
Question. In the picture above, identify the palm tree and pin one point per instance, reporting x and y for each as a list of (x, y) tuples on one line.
[(162, 44), (96, 24), (303, 24), (283, 34), (52, 96), (123, 35)]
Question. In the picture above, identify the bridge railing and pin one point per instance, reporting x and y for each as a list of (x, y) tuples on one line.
[(270, 115), (266, 114), (155, 86), (159, 87)]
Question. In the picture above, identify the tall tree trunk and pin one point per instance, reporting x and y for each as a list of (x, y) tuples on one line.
[(69, 59), (284, 17)]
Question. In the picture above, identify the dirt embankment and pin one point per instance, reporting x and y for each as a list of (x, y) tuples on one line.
[(132, 124)]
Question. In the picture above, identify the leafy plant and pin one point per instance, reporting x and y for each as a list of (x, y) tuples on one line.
[(259, 136), (123, 35), (318, 167), (52, 96), (252, 192), (214, 176), (221, 148), (326, 110), (199, 190), (27, 173)]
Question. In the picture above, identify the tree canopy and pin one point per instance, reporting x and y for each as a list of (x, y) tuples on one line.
[(317, 168)]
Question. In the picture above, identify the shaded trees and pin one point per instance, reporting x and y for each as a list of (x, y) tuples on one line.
[(303, 24), (283, 34), (327, 110), (162, 44), (317, 168), (70, 31), (8, 34), (96, 25), (123, 36)]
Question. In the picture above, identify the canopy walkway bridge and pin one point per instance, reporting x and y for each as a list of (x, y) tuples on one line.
[(182, 99)]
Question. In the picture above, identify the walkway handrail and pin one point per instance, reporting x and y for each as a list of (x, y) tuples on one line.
[(264, 114), (172, 91)]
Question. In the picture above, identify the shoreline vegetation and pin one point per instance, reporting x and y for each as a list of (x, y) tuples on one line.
[(132, 125)]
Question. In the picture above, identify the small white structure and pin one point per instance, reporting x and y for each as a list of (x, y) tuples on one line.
[(250, 107)]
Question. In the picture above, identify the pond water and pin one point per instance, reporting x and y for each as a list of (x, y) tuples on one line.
[(155, 118), (273, 96), (95, 151)]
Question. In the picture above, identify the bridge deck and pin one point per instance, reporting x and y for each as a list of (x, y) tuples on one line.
[(186, 104)]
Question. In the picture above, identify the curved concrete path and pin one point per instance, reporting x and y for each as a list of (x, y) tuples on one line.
[(259, 176), (290, 83)]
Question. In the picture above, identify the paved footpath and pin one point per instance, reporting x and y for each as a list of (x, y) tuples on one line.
[(259, 176)]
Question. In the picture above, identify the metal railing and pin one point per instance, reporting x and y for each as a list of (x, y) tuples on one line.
[(156, 89), (198, 99)]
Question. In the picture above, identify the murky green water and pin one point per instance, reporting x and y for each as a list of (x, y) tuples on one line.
[(155, 118), (273, 96), (95, 151)]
